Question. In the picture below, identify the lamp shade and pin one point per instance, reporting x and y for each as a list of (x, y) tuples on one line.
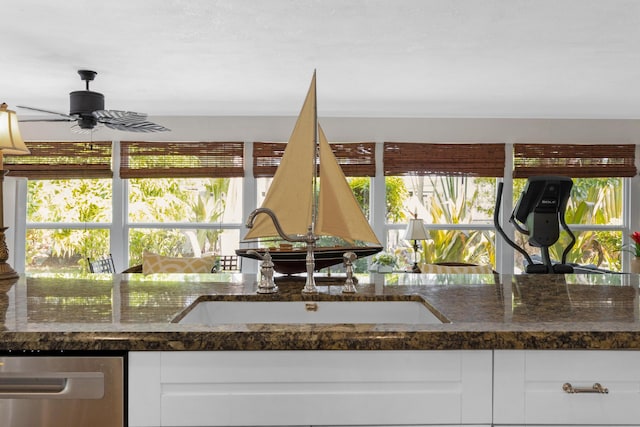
[(415, 230), (10, 140)]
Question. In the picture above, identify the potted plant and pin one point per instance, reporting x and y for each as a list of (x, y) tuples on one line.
[(384, 262), (635, 261)]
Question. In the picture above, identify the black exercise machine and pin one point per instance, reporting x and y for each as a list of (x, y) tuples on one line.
[(538, 214)]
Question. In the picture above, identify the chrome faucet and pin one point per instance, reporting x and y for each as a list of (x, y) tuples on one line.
[(310, 239)]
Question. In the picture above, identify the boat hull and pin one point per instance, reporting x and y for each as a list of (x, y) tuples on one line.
[(294, 261)]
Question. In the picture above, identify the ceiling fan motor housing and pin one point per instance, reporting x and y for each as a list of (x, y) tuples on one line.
[(82, 104), (86, 108)]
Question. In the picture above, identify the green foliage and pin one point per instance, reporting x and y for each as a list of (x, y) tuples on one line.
[(454, 202), (80, 200), (64, 249), (167, 242), (67, 202), (396, 192), (89, 201), (360, 187), (175, 200), (157, 200), (208, 207), (385, 259)]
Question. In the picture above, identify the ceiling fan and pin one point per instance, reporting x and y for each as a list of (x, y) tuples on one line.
[(87, 110)]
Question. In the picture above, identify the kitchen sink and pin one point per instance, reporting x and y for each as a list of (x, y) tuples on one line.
[(229, 312)]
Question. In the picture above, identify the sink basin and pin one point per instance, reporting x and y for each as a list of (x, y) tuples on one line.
[(227, 312)]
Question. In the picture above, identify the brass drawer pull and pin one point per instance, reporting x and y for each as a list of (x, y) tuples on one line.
[(311, 306), (596, 388)]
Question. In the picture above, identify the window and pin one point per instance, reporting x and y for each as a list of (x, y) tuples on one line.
[(68, 220), (595, 209), (451, 187), (183, 197), (183, 216), (68, 203), (186, 198)]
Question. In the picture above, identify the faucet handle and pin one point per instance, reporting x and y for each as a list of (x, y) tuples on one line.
[(266, 284), (349, 257), (349, 286)]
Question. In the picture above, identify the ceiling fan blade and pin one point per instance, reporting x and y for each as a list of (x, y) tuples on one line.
[(83, 131), (128, 121), (119, 116), (141, 126), (45, 111), (70, 119)]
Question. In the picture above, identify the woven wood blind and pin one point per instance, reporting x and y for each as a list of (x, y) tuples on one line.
[(574, 160), (401, 158), (355, 159), (181, 159), (62, 160)]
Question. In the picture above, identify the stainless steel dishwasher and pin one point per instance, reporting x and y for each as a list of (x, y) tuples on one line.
[(56, 391)]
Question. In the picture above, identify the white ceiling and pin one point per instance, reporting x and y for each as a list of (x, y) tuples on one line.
[(374, 58)]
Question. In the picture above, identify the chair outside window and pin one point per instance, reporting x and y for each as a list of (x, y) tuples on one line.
[(102, 265), (228, 263)]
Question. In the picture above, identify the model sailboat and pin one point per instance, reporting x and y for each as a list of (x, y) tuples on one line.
[(304, 204)]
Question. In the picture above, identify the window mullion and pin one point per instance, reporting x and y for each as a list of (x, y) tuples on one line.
[(118, 241)]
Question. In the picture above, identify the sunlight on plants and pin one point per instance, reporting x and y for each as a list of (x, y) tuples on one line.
[(453, 200), (88, 201)]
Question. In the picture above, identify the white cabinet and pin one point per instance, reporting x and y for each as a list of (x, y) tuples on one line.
[(310, 388), (528, 387), (295, 388)]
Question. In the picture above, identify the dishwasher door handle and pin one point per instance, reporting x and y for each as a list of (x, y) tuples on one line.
[(52, 385)]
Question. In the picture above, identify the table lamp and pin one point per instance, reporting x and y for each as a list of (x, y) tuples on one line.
[(415, 231), (10, 143)]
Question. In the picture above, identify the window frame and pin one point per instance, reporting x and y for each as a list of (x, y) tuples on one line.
[(119, 227)]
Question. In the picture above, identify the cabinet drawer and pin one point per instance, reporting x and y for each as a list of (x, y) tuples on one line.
[(325, 388), (528, 387)]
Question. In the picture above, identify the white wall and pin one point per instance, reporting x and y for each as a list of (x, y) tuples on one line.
[(363, 129)]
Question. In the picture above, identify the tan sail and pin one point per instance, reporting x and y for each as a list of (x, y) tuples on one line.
[(338, 211), (290, 195)]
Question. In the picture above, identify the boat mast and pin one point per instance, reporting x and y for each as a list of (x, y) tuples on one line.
[(314, 198), (311, 238)]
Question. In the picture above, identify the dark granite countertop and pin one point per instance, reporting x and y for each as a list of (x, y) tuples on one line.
[(135, 312)]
